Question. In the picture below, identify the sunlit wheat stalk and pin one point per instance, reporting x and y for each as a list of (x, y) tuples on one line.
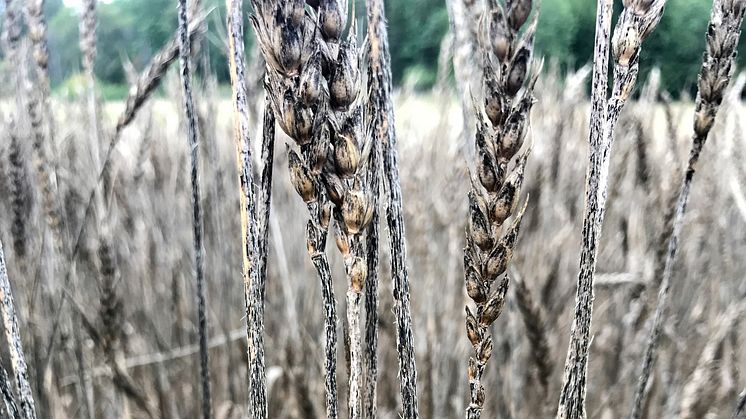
[(718, 64), (197, 218), (638, 19), (15, 345), (253, 270)]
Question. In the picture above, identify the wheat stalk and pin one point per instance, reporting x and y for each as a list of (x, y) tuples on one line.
[(197, 218), (15, 345), (378, 114), (502, 124), (7, 391), (637, 21), (718, 64), (740, 410), (254, 273)]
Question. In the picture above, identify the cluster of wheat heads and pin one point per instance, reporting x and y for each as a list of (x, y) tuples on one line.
[(315, 88)]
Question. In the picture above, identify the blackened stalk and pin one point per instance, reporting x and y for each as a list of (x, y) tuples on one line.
[(265, 191), (572, 396), (197, 219), (15, 345), (380, 125), (379, 53), (252, 279)]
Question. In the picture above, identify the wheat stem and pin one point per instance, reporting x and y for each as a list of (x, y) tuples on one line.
[(637, 21), (197, 220), (253, 278), (740, 410), (572, 397), (15, 345), (380, 58)]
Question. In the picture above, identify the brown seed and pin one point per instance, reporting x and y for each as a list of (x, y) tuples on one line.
[(518, 13), (479, 229), (355, 209), (343, 84), (318, 150), (304, 121), (312, 82), (484, 351), (472, 369), (475, 287), (515, 129), (497, 262), (288, 49), (626, 42), (487, 170), (301, 179), (500, 34), (492, 309), (518, 71), (473, 331), (346, 155), (334, 188), (332, 18)]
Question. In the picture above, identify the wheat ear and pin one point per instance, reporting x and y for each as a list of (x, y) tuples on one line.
[(638, 19), (502, 125), (718, 64), (197, 218), (15, 345)]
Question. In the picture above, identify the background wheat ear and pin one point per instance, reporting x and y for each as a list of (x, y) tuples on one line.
[(722, 37)]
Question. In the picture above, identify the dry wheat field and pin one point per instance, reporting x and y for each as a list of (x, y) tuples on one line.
[(520, 242)]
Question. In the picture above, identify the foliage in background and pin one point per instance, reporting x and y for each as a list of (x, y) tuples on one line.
[(135, 29)]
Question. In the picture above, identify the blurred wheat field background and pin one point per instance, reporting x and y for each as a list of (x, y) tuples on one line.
[(138, 290)]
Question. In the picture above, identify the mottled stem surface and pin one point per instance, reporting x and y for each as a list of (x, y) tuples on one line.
[(252, 278), (15, 345), (197, 219), (572, 396)]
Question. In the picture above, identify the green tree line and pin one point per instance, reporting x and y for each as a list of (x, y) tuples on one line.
[(136, 29)]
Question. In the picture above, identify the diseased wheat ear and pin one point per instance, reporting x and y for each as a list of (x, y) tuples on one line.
[(502, 124)]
